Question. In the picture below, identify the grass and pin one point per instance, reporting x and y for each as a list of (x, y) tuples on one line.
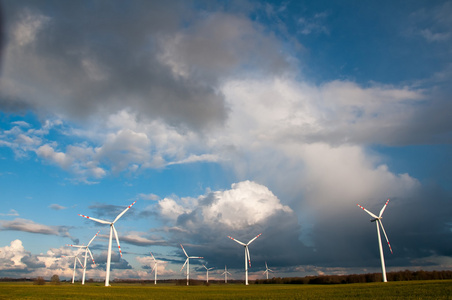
[(431, 289)]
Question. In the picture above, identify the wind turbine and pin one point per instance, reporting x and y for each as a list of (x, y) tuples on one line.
[(112, 229), (207, 270), (187, 262), (267, 270), (154, 268), (75, 263), (225, 273), (247, 254), (377, 221), (86, 255)]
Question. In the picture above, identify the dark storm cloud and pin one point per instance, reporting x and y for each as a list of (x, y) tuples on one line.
[(418, 227), (161, 60)]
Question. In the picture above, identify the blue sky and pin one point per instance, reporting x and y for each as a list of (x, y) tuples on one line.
[(226, 119)]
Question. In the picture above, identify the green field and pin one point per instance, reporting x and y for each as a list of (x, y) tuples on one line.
[(432, 289)]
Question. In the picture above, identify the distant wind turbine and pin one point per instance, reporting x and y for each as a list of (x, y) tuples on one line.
[(187, 262), (86, 255), (225, 273), (207, 271), (75, 263), (112, 229), (247, 254), (377, 221), (154, 268), (267, 270)]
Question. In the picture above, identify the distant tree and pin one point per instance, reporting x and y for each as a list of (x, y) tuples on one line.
[(39, 281), (55, 279)]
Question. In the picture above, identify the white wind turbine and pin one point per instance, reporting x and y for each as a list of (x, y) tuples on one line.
[(187, 262), (75, 263), (377, 221), (225, 273), (247, 254), (267, 270), (207, 270), (86, 255), (112, 229), (154, 268)]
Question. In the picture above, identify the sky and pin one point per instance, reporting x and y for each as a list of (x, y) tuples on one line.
[(225, 119)]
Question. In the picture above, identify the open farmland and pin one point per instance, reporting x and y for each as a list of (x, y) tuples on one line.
[(438, 289)]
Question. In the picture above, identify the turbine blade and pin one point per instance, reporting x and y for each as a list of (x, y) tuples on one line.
[(78, 259), (93, 238), (389, 245), (383, 209), (196, 257), (77, 246), (254, 238), (117, 239), (266, 267), (184, 264), (92, 257), (205, 267), (249, 257), (94, 219), (153, 256), (243, 244), (184, 250), (123, 212), (374, 216)]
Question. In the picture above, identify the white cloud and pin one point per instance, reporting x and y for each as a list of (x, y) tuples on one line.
[(27, 27), (12, 212), (151, 197), (25, 225), (247, 203), (170, 209), (11, 256), (60, 158), (57, 206)]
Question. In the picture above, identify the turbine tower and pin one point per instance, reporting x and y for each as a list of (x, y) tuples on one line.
[(207, 270), (187, 262), (247, 254), (86, 255), (225, 273), (112, 229), (267, 270), (377, 221), (154, 268), (75, 263)]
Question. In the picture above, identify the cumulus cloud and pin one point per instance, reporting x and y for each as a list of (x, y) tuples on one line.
[(243, 211), (11, 256)]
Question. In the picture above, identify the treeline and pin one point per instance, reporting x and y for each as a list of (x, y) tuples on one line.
[(323, 279), (359, 278)]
